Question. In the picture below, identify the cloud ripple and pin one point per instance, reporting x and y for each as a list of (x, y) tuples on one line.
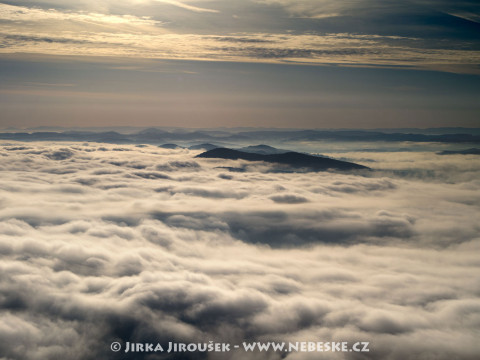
[(98, 254)]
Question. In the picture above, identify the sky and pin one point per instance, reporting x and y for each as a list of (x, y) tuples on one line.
[(265, 63)]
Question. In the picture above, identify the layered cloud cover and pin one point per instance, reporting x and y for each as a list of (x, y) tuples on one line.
[(103, 243), (210, 63), (425, 34)]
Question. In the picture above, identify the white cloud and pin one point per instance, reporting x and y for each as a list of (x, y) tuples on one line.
[(60, 32), (13, 13), (93, 252), (185, 5), (313, 8)]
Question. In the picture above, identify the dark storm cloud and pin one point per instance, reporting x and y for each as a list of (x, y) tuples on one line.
[(85, 262)]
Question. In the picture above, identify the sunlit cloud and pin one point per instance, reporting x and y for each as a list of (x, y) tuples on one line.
[(56, 32), (185, 5), (11, 13), (95, 251), (312, 8), (467, 16)]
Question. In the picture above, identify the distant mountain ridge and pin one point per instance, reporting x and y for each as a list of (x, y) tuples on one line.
[(292, 159), (472, 151), (187, 138), (170, 146)]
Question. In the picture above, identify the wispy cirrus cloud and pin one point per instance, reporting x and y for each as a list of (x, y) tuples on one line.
[(330, 8), (12, 13), (312, 8), (72, 32), (185, 5)]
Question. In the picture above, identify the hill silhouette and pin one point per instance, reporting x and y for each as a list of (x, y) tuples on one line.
[(292, 159), (472, 151), (262, 149), (170, 146)]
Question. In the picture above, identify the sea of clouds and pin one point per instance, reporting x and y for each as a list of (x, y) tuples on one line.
[(103, 243)]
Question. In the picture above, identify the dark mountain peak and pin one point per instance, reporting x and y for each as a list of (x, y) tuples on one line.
[(472, 151), (110, 133), (170, 146), (151, 131), (225, 153), (292, 159), (260, 147), (263, 149)]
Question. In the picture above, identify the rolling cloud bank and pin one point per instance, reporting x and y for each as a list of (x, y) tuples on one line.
[(107, 242)]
